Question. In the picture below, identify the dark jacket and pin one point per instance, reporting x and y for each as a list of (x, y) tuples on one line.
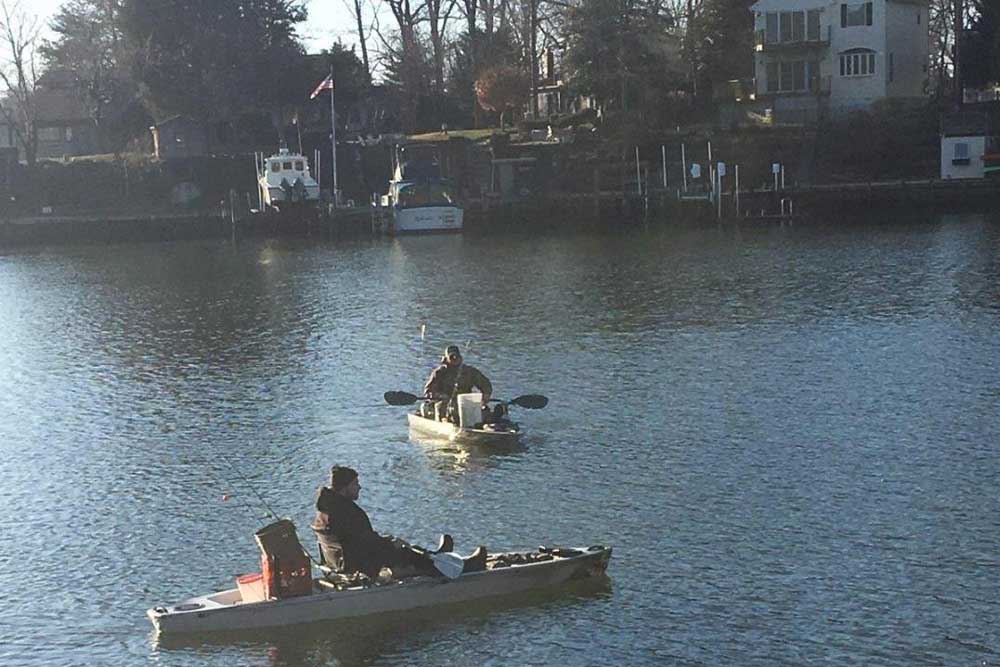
[(446, 379), (348, 542)]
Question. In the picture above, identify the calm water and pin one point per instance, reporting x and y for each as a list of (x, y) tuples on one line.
[(789, 435)]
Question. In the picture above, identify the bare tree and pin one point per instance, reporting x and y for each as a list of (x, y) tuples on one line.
[(408, 15), (356, 8), (438, 15), (19, 32)]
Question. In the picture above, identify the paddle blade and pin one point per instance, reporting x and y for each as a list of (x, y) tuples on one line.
[(449, 563), (400, 398), (530, 401)]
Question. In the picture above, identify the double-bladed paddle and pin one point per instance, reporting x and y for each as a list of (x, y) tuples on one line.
[(529, 401), (448, 563)]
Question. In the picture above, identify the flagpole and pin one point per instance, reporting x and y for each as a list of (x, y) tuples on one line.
[(333, 139)]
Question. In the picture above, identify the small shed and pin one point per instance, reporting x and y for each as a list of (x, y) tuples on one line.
[(965, 138), (179, 136)]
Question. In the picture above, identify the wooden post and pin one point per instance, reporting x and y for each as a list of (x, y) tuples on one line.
[(684, 169), (597, 192), (736, 190), (638, 174)]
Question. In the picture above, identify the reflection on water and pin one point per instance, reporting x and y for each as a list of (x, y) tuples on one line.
[(449, 456), (361, 641)]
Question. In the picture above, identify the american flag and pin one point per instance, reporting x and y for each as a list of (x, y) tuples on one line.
[(325, 84)]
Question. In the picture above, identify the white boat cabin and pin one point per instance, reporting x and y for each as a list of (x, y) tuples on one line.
[(285, 178)]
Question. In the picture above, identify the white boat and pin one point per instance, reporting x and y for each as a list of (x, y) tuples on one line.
[(503, 433), (506, 573), (420, 200), (285, 178)]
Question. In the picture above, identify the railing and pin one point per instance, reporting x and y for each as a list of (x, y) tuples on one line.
[(817, 85), (761, 43)]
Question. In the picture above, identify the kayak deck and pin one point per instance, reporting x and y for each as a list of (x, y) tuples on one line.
[(506, 573), (502, 433)]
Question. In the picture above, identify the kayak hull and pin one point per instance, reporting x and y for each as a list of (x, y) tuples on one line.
[(225, 611), (509, 434)]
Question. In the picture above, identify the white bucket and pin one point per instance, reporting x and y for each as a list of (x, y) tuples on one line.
[(251, 587), (470, 410)]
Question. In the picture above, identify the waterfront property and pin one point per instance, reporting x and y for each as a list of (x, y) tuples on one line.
[(965, 138), (815, 58)]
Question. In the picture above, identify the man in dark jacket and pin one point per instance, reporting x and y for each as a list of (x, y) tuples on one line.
[(453, 377), (349, 544)]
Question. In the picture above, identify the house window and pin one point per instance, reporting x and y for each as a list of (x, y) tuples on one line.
[(812, 70), (287, 166), (855, 14), (787, 27), (961, 155), (771, 31), (790, 76), (50, 134), (812, 25), (772, 77), (275, 167), (858, 62), (299, 166)]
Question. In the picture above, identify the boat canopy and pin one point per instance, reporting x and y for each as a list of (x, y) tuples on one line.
[(425, 193), (419, 168)]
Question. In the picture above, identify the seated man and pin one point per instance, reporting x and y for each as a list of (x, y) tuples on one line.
[(349, 544), (452, 378)]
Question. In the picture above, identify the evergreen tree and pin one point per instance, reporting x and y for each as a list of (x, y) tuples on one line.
[(472, 56), (719, 43), (616, 49), (213, 60), (90, 46), (981, 46)]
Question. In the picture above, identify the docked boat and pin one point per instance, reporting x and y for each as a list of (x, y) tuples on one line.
[(420, 199), (284, 178), (337, 596)]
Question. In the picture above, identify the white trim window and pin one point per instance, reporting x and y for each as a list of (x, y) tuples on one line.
[(792, 76), (792, 26), (856, 14), (857, 62), (961, 154)]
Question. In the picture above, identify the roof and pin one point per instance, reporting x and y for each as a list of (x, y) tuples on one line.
[(62, 105)]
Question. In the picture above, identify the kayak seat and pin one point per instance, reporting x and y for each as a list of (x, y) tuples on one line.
[(331, 553)]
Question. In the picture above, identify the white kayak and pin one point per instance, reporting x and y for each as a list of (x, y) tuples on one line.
[(502, 433), (505, 573)]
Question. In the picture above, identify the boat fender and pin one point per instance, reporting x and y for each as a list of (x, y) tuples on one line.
[(160, 610)]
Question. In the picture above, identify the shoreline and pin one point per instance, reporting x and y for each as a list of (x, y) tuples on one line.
[(567, 211)]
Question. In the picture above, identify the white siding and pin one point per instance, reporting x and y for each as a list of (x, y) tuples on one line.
[(974, 149), (894, 30), (908, 42)]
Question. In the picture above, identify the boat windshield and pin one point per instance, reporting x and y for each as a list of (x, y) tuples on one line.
[(423, 193)]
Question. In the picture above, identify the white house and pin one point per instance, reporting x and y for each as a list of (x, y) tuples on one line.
[(814, 58)]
